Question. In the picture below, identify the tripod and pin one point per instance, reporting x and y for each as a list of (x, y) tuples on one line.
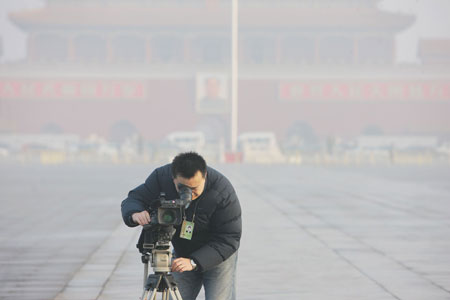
[(161, 281)]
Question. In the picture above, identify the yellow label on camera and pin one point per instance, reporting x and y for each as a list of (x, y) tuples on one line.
[(187, 228)]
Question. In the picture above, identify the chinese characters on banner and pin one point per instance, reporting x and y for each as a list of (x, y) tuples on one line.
[(39, 89), (400, 90)]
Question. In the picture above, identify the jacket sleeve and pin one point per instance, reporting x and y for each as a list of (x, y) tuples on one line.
[(226, 230), (140, 198)]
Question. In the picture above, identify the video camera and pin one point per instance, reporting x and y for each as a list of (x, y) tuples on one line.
[(164, 215)]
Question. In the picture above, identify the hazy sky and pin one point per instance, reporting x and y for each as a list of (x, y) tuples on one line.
[(432, 22)]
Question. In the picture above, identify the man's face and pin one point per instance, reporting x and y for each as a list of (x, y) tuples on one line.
[(196, 183)]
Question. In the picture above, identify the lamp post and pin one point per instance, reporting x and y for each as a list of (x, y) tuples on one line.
[(234, 75)]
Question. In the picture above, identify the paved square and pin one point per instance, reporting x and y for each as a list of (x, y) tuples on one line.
[(309, 232)]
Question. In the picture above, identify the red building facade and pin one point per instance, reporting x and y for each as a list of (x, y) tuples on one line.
[(92, 65)]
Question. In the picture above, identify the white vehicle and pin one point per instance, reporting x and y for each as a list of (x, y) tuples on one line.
[(180, 141), (187, 140), (260, 147), (444, 149)]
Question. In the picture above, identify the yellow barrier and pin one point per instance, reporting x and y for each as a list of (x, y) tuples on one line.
[(52, 157)]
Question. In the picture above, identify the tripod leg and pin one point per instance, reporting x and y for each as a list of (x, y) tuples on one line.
[(144, 295), (151, 286), (172, 287), (145, 272), (152, 296), (175, 294)]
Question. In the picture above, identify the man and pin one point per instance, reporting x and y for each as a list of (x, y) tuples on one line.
[(208, 256)]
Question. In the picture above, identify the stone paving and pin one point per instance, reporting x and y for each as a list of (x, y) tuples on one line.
[(309, 233)]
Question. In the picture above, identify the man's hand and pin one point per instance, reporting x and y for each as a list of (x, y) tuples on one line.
[(181, 265), (141, 218)]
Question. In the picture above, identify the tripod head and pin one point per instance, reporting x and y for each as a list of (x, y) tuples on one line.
[(161, 281), (161, 260)]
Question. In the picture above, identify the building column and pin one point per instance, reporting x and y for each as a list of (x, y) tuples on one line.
[(31, 56), (187, 51), (278, 50), (241, 50), (71, 48), (317, 50), (355, 49), (148, 49), (109, 49), (394, 51)]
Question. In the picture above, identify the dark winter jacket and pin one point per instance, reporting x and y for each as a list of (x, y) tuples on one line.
[(218, 227)]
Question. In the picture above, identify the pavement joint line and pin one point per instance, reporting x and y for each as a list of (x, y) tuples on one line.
[(91, 280), (119, 261), (375, 250), (267, 200), (406, 210), (372, 248)]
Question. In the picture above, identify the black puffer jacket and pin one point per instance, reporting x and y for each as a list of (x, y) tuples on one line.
[(218, 226)]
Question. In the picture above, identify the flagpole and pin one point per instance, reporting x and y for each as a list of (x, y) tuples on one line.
[(234, 75)]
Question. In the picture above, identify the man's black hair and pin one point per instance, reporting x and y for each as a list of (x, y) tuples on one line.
[(187, 164)]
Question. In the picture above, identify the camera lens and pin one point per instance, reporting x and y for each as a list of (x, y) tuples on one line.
[(168, 216)]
